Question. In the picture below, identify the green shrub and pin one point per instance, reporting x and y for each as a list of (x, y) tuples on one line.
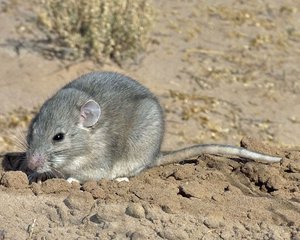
[(96, 28)]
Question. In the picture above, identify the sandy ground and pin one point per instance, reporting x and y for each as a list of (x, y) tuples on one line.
[(223, 71)]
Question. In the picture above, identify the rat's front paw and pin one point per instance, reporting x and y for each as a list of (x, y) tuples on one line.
[(70, 180)]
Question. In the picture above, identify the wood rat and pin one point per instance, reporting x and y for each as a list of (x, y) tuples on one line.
[(106, 125)]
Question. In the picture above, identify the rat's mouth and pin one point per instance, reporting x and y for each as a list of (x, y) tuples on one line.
[(43, 175), (40, 177)]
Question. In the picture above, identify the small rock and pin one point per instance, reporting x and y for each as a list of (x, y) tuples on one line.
[(56, 213), (263, 173), (110, 212), (96, 218), (276, 182), (98, 193), (75, 185), (172, 234), (183, 173), (185, 191), (56, 185), (107, 214), (168, 208), (151, 214), (36, 188), (79, 200), (294, 166), (94, 189), (89, 186), (214, 221), (135, 236), (227, 234), (135, 210), (15, 179)]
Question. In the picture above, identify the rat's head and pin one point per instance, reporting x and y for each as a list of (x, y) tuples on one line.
[(61, 130)]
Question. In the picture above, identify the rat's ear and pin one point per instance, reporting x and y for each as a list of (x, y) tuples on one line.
[(90, 113)]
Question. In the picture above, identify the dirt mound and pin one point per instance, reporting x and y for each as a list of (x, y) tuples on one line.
[(210, 197)]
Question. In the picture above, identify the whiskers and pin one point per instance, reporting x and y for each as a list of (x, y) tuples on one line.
[(61, 152), (57, 173), (40, 177), (55, 160), (74, 150), (18, 139)]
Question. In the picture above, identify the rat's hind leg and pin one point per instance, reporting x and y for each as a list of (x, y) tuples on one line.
[(144, 139)]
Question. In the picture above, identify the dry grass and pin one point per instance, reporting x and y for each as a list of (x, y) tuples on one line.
[(96, 29), (12, 129)]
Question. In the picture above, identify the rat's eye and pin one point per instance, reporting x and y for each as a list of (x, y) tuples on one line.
[(58, 137)]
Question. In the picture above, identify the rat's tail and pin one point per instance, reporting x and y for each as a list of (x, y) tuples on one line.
[(216, 149)]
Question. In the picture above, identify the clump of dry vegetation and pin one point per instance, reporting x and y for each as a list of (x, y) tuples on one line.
[(96, 29), (12, 129)]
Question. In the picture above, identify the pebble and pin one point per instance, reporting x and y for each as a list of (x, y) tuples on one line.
[(36, 188), (15, 179), (135, 210), (214, 221), (97, 218), (79, 200), (56, 185), (135, 236)]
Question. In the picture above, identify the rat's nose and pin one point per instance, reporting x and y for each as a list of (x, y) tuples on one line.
[(35, 161)]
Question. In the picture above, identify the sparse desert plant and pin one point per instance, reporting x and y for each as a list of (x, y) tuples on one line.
[(96, 29)]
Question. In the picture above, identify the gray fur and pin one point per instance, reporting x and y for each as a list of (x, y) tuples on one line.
[(125, 140)]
